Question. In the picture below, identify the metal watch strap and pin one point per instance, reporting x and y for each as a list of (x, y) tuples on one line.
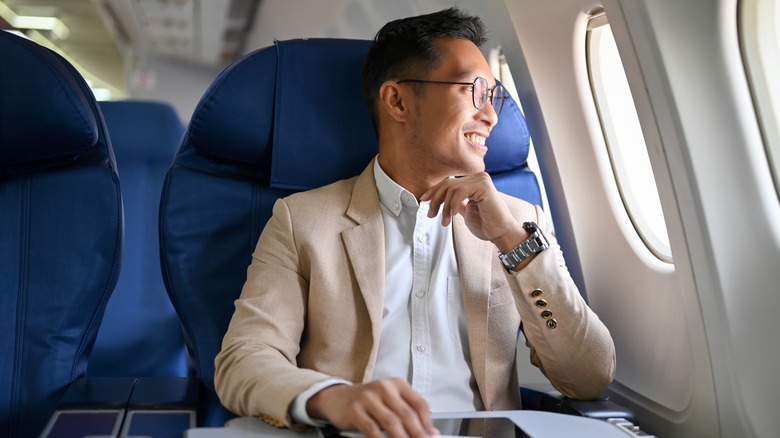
[(535, 243)]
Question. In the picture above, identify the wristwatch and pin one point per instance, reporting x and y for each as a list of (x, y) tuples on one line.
[(535, 243)]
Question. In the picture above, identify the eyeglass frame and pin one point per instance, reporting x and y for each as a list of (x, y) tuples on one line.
[(490, 91)]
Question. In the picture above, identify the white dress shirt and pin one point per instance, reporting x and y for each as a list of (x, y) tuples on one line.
[(423, 338)]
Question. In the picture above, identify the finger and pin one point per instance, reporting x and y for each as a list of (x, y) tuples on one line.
[(457, 200), (426, 195), (368, 427), (386, 418), (410, 407), (372, 417), (446, 213), (418, 404), (412, 421), (436, 198)]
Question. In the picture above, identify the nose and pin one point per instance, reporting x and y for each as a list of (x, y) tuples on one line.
[(488, 114)]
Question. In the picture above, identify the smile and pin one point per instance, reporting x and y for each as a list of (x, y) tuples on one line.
[(475, 138)]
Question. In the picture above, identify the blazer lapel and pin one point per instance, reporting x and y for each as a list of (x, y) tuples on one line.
[(365, 247), (474, 264)]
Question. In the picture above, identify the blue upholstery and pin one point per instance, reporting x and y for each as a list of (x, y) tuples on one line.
[(60, 231), (141, 334), (505, 161), (270, 124)]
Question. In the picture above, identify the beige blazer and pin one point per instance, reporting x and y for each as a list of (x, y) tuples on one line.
[(311, 308)]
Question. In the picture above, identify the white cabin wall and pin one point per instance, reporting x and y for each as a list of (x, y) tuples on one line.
[(181, 85), (288, 19), (690, 56), (651, 307)]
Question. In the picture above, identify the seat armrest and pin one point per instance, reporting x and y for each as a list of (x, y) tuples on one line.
[(543, 397), (165, 393), (98, 393)]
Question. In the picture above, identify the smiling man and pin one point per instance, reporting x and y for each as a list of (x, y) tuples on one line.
[(376, 300)]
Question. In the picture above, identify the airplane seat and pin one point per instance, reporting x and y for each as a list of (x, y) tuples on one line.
[(246, 138), (60, 231), (285, 118), (506, 159), (144, 136)]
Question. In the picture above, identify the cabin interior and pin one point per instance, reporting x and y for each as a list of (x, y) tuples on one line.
[(654, 135)]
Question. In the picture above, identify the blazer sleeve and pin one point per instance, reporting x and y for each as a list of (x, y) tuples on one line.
[(567, 340), (256, 370)]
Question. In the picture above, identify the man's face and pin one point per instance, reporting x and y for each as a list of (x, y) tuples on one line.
[(448, 132)]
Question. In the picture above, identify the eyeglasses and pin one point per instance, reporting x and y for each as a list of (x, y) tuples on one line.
[(480, 92)]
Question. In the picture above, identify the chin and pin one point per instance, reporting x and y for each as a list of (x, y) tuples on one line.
[(471, 168)]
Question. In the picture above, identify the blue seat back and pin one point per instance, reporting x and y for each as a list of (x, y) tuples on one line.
[(285, 118), (60, 231), (144, 136)]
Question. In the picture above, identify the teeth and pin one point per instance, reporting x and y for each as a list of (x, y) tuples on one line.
[(474, 138)]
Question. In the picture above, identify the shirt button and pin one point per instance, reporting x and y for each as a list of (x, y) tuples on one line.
[(536, 292), (396, 206), (419, 293), (420, 348), (422, 238)]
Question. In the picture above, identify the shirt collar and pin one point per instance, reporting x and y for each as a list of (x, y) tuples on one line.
[(391, 195)]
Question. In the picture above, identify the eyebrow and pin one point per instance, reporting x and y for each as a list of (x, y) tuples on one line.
[(466, 75), (470, 75)]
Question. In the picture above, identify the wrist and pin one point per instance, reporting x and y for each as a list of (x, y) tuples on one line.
[(317, 405), (519, 256), (507, 241)]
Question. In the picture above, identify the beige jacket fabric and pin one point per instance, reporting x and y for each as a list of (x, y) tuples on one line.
[(311, 308)]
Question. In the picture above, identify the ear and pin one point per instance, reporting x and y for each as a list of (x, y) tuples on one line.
[(393, 100)]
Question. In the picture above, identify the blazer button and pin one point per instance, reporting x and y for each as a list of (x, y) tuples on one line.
[(541, 303), (536, 292), (546, 314), (551, 323)]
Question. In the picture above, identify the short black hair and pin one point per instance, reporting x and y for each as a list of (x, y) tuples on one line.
[(404, 48)]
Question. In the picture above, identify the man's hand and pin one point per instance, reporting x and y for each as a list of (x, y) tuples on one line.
[(389, 406), (477, 200)]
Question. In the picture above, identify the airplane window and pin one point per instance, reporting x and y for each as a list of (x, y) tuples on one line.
[(760, 34), (623, 135)]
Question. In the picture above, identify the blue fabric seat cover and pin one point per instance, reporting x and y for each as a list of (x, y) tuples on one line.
[(141, 335), (60, 231)]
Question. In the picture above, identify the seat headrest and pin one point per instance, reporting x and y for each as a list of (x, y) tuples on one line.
[(149, 131), (297, 106), (509, 141), (45, 113), (273, 106)]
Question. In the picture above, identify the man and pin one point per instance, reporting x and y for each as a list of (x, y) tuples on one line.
[(373, 301)]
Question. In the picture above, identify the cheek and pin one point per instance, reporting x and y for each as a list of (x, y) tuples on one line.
[(446, 116), (453, 117)]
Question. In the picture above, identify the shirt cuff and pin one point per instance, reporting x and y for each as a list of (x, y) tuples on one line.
[(298, 406)]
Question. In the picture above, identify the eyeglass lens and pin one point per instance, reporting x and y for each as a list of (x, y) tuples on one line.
[(482, 93)]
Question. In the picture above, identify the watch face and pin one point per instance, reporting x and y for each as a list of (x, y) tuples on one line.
[(531, 227)]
